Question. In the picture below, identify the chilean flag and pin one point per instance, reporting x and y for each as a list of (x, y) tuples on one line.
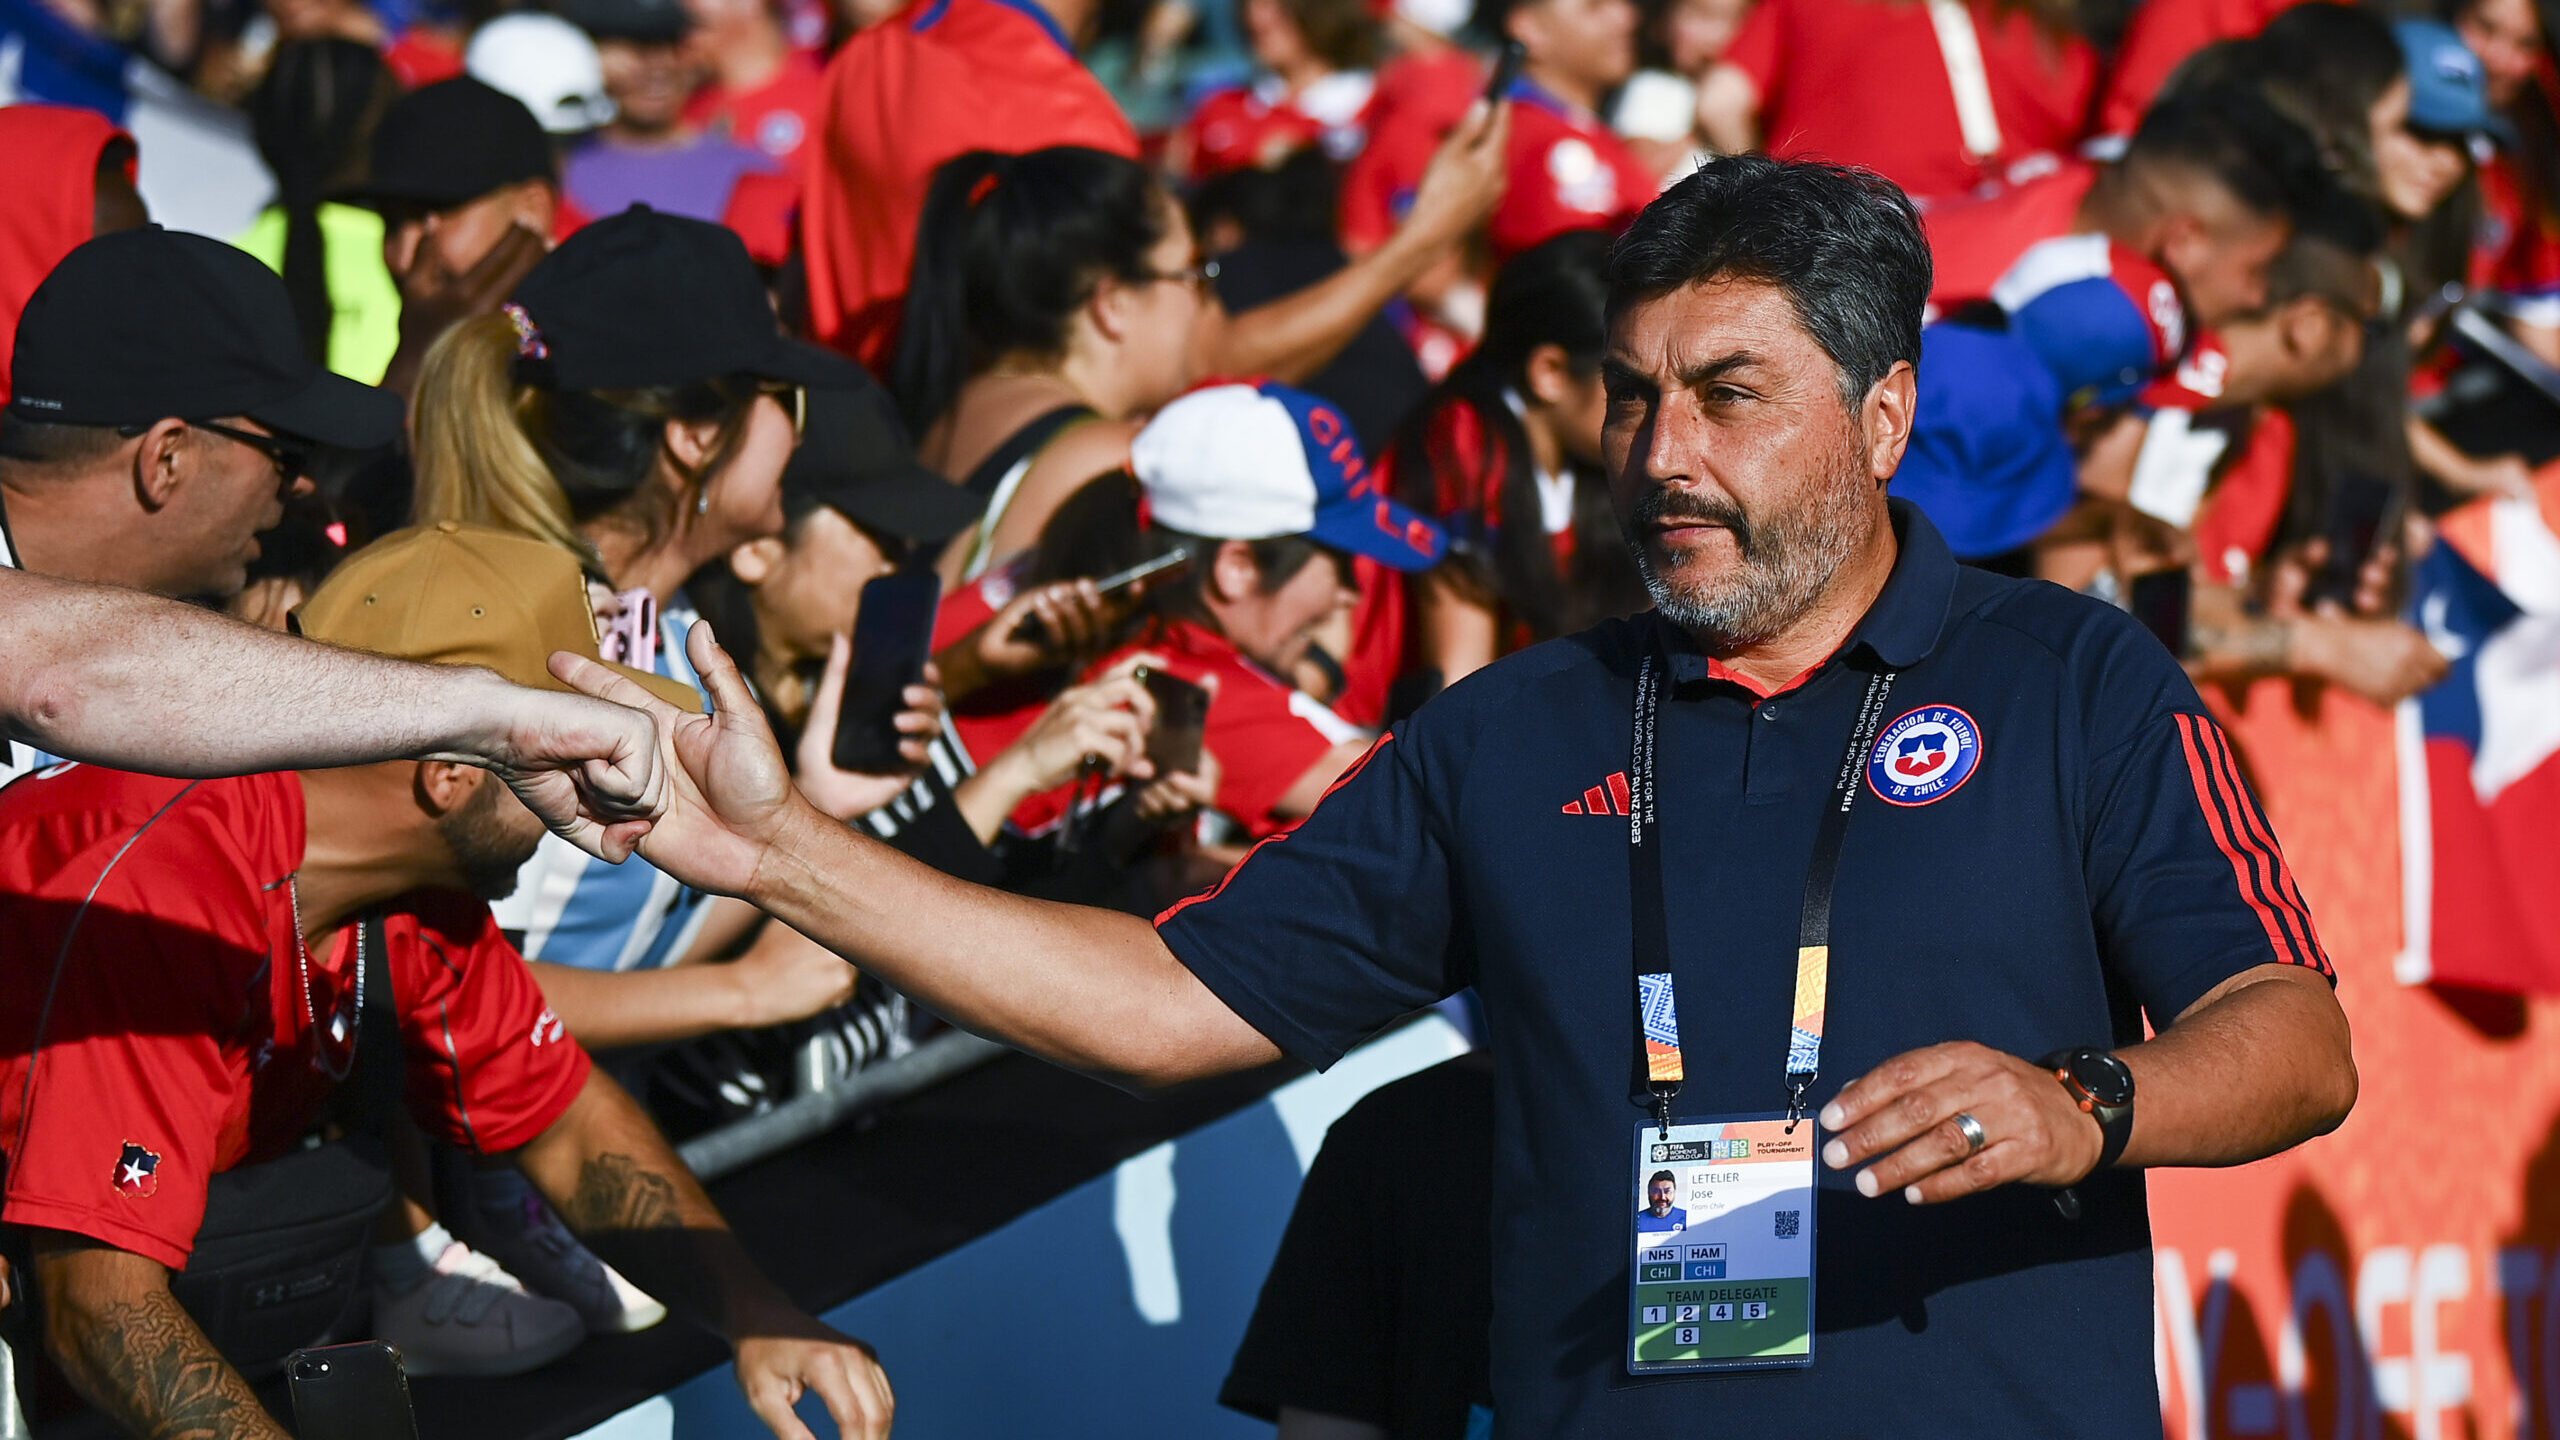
[(2480, 755), (196, 166)]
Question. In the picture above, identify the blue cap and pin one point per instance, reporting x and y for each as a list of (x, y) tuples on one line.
[(1256, 461), (1988, 462), (2448, 87)]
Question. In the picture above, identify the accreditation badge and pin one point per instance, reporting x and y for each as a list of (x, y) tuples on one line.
[(1723, 1275)]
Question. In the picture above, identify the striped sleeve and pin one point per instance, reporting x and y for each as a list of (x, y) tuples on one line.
[(2187, 885), (2240, 830)]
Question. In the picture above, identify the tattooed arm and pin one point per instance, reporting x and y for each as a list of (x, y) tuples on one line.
[(619, 1185), (114, 1328)]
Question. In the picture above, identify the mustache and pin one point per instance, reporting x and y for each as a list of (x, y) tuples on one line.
[(1666, 506)]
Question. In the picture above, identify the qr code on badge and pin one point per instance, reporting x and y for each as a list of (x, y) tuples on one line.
[(1789, 1222)]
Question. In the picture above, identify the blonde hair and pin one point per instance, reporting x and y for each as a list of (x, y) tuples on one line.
[(475, 463), (494, 450)]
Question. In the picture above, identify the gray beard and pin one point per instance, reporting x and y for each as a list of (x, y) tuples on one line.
[(1788, 561)]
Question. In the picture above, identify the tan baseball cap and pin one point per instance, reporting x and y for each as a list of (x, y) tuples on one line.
[(456, 594)]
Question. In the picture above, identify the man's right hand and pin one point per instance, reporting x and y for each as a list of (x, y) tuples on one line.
[(589, 769), (433, 298), (729, 796)]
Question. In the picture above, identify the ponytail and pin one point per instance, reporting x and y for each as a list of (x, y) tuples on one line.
[(545, 462), (1008, 249), (312, 118), (474, 461)]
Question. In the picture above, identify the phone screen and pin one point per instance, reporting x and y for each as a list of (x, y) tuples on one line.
[(1182, 719), (2358, 507), (1506, 69), (892, 639), (2161, 600)]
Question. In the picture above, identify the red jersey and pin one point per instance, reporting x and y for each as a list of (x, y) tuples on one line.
[(152, 936), (775, 117), (1255, 127), (1862, 82), (2515, 249), (1266, 733), (1421, 97), (2237, 523), (1568, 171), (2159, 38), (936, 80), (1973, 242)]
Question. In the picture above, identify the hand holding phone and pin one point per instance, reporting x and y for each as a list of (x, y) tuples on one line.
[(892, 640), (2359, 506), (1035, 631), (1506, 70)]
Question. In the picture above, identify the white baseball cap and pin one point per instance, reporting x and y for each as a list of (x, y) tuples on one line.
[(1255, 462), (547, 63)]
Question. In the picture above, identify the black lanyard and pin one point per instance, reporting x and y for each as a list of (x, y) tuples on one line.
[(1652, 924)]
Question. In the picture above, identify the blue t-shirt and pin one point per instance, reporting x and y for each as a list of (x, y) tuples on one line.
[(2100, 862), (571, 908), (1648, 1223)]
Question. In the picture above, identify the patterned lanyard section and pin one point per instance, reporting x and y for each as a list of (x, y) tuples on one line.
[(1657, 1007)]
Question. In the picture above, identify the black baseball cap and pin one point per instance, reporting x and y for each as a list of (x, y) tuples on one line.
[(645, 299), (456, 140), (854, 459), (641, 20), (146, 325)]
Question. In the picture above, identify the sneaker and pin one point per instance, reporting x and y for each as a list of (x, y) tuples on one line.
[(531, 1242), (473, 1318)]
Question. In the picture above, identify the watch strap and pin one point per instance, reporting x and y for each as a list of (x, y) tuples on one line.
[(2115, 1122)]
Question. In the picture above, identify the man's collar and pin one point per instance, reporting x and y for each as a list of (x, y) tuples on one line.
[(1901, 628)]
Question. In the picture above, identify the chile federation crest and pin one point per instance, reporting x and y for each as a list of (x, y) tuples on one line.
[(1924, 756)]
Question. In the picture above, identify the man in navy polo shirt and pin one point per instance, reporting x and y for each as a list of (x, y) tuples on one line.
[(2046, 844)]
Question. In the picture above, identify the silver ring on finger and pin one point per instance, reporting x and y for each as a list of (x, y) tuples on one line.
[(1971, 1130)]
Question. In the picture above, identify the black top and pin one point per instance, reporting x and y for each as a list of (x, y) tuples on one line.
[(2099, 862), (1376, 1305)]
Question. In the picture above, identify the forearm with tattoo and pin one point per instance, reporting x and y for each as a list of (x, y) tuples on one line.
[(620, 1186), (136, 1354)]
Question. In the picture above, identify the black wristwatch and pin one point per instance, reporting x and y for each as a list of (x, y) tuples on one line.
[(2102, 1086)]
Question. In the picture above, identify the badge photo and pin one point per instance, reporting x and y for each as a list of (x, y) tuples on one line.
[(1924, 756)]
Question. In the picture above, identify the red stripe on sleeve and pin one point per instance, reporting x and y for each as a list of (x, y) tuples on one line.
[(2261, 838), (1618, 791), (2254, 868), (2199, 772), (1355, 767)]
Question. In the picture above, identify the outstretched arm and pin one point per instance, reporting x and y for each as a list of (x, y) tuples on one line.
[(614, 1180), (120, 678), (1298, 334), (1093, 990), (133, 1351)]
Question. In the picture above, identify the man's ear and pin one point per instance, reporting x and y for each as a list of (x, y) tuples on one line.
[(1886, 417), (1549, 372), (753, 563), (161, 462), (1233, 575), (442, 786)]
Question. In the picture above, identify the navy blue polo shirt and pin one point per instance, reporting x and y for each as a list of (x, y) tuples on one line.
[(2101, 863)]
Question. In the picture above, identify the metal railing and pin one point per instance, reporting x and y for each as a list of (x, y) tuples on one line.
[(820, 1108)]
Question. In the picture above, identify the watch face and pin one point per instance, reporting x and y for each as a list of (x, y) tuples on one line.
[(2106, 1078)]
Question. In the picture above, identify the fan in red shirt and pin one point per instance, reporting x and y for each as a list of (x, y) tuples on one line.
[(934, 81), (1316, 89), (1864, 82), (187, 965), (1567, 171), (763, 93), (2161, 35), (1268, 491), (2206, 190)]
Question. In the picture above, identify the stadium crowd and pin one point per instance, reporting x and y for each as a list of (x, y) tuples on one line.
[(1169, 397)]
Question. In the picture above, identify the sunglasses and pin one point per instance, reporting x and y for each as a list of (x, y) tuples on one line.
[(291, 458), (794, 399)]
